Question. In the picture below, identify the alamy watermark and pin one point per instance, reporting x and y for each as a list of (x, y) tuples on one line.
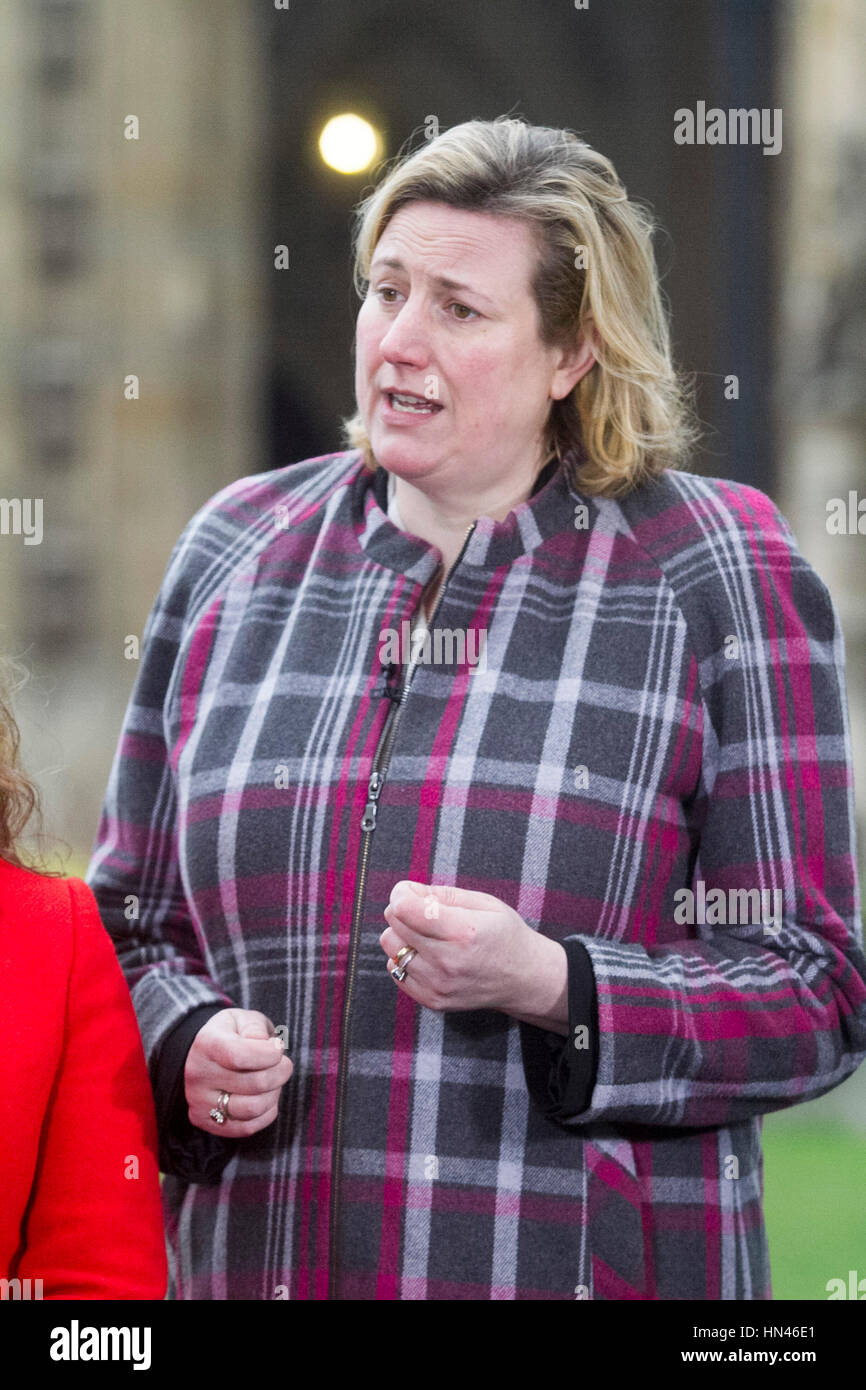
[(737, 126), (77, 1343), (731, 907), (854, 1288), (846, 516), (23, 1289), (438, 646), (22, 516)]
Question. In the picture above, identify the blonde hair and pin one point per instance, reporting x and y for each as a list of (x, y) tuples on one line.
[(631, 415)]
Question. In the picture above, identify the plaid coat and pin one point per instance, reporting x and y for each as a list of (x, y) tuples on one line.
[(661, 709)]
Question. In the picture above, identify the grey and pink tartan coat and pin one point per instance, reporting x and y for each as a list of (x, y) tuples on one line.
[(661, 707)]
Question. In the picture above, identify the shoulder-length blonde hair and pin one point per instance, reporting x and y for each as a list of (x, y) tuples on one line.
[(631, 415)]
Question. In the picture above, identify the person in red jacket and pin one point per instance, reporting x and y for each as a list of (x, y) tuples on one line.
[(80, 1215)]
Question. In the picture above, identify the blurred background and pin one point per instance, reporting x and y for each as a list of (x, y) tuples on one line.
[(175, 268)]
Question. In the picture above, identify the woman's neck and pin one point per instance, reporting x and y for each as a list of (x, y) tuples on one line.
[(444, 523)]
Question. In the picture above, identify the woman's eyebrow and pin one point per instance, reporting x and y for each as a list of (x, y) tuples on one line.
[(443, 281)]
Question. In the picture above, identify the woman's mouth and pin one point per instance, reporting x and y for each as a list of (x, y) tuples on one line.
[(405, 403)]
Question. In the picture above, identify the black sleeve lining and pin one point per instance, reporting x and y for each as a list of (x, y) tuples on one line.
[(561, 1072)]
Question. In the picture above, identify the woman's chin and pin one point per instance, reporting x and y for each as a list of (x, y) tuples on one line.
[(402, 456)]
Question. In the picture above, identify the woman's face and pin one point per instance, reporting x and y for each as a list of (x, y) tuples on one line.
[(471, 353)]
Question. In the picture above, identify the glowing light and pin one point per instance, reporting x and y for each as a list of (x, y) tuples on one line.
[(348, 143)]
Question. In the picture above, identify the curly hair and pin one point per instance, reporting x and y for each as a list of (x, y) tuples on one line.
[(631, 416), (19, 797)]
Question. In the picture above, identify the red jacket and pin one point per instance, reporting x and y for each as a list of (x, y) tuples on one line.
[(76, 1106)]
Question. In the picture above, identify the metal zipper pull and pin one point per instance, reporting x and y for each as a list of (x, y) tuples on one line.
[(374, 786)]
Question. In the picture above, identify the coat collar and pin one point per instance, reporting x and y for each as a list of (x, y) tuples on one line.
[(550, 509)]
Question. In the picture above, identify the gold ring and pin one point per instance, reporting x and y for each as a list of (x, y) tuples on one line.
[(401, 960)]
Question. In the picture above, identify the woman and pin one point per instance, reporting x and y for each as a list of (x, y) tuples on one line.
[(518, 1065), (80, 1216)]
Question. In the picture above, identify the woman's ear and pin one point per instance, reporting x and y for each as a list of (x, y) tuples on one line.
[(589, 333), (575, 362)]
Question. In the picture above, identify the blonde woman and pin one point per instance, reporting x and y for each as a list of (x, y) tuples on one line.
[(434, 742)]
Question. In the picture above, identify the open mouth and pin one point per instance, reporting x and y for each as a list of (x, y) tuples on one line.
[(411, 405)]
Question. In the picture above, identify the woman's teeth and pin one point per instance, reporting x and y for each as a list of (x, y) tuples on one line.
[(411, 403)]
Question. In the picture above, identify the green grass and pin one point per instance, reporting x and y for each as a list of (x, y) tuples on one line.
[(814, 1205)]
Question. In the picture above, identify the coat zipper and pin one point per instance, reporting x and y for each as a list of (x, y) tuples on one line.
[(381, 763)]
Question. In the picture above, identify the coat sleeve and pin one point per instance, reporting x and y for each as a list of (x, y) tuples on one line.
[(134, 869), (94, 1225), (737, 1020)]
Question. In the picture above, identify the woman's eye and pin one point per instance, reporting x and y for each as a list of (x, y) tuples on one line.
[(389, 289)]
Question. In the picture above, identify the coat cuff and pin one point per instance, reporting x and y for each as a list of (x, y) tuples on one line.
[(185, 1151), (561, 1071)]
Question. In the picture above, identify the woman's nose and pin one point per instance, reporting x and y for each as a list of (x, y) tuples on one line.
[(408, 336)]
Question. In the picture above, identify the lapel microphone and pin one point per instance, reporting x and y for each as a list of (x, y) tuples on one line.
[(389, 688)]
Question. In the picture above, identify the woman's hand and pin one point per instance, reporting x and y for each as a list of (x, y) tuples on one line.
[(236, 1051), (475, 952)]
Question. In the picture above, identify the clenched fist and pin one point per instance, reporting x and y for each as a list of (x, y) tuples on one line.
[(236, 1051)]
